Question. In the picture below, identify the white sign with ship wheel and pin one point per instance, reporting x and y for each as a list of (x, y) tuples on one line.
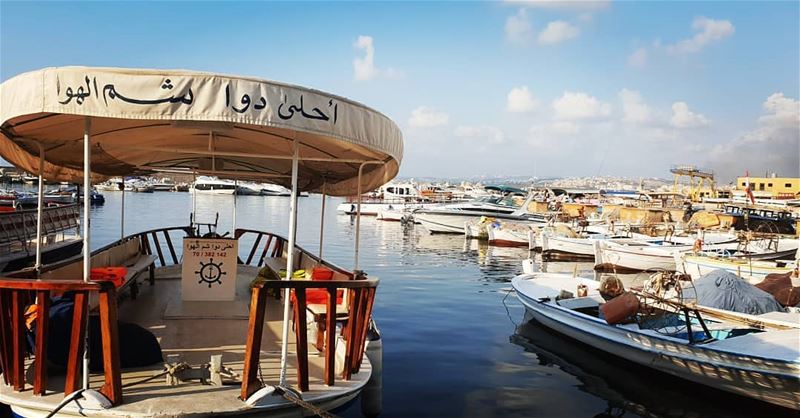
[(209, 269)]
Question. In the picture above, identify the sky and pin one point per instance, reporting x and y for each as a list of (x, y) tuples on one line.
[(514, 88)]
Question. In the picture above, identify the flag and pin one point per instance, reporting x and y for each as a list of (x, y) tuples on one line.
[(747, 188)]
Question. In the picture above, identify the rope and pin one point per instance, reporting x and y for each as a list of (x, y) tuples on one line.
[(66, 401), (292, 396), (169, 370)]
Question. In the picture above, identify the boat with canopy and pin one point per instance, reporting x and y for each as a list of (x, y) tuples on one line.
[(226, 349)]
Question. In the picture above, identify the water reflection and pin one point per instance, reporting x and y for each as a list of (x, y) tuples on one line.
[(630, 389)]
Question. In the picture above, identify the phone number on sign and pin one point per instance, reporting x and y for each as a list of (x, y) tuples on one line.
[(209, 253)]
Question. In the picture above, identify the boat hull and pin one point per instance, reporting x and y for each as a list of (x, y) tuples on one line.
[(774, 382), (504, 235), (752, 271), (611, 256), (555, 247)]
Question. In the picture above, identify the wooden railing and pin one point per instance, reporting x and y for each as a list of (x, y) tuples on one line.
[(361, 297), (16, 294), (22, 289)]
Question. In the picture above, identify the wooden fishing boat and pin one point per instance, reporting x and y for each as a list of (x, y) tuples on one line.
[(228, 348), (758, 359)]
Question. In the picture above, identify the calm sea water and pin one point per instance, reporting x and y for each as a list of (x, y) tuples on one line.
[(455, 342)]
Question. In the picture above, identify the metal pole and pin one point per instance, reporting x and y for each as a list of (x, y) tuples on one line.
[(358, 216), (194, 199), (235, 193), (87, 196), (289, 264), (122, 215), (39, 210), (322, 222)]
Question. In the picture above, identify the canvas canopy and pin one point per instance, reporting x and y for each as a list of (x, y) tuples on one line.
[(145, 121)]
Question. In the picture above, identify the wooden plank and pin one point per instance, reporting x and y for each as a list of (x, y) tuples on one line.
[(53, 285), (76, 344), (350, 333), (42, 320), (17, 341), (318, 284), (112, 388), (359, 327), (171, 247), (253, 250), (367, 315), (330, 338), (157, 244), (252, 354), (301, 336)]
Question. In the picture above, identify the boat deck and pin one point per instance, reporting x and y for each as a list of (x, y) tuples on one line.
[(192, 332)]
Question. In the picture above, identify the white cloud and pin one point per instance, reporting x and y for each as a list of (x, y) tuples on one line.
[(558, 31), (634, 110), (520, 100), (781, 111), (426, 117), (518, 28), (574, 5), (579, 105), (638, 58), (682, 117), (708, 32), (364, 68), (491, 134), (773, 147)]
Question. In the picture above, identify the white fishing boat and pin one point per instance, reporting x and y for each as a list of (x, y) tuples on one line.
[(222, 347), (759, 361), (395, 215), (651, 255), (637, 256), (754, 271), (511, 233)]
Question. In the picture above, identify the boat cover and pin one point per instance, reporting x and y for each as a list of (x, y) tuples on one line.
[(722, 289), (144, 121)]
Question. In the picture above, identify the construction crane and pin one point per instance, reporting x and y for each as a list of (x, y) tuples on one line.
[(699, 180)]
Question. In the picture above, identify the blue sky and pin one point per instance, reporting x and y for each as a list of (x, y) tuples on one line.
[(501, 88)]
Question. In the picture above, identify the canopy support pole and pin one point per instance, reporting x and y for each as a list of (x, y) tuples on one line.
[(122, 212), (39, 211), (322, 222), (235, 193), (289, 263), (87, 196), (358, 218), (194, 201)]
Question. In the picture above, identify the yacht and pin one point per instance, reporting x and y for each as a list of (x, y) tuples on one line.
[(212, 185), (451, 218)]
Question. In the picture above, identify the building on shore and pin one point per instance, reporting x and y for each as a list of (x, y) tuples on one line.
[(772, 187)]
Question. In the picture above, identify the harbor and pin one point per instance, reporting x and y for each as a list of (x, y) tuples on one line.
[(570, 209)]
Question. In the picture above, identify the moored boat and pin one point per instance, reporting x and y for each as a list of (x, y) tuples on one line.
[(762, 363), (229, 351)]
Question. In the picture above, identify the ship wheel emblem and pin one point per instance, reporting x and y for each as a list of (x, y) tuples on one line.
[(210, 272)]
